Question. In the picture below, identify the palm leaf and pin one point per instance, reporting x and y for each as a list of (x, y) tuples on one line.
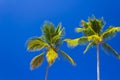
[(93, 26), (72, 42), (37, 61), (51, 56), (58, 29), (35, 44), (48, 31), (88, 46), (96, 24), (79, 29), (67, 57), (110, 32), (95, 38), (87, 28), (55, 38), (83, 40), (107, 48), (77, 41)]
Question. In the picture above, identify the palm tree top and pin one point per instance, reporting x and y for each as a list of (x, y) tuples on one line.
[(50, 41), (93, 34)]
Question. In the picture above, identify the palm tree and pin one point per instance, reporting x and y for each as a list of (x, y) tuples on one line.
[(93, 35), (50, 41)]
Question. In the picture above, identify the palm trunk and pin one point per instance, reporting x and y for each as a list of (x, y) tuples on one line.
[(46, 75), (98, 63)]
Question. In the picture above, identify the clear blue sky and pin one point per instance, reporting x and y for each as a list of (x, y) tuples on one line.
[(22, 19)]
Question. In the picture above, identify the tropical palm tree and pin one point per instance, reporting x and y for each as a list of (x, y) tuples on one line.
[(93, 35), (50, 41)]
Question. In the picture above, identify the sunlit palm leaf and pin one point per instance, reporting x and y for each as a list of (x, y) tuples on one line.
[(95, 38), (58, 35), (107, 48), (37, 61), (88, 46), (61, 32), (67, 57), (51, 56), (76, 42), (35, 44), (58, 29), (72, 42), (110, 32), (55, 38), (79, 29)]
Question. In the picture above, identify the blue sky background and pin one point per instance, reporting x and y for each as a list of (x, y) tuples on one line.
[(22, 19)]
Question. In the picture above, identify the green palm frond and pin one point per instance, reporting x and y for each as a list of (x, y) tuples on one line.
[(48, 31), (51, 56), (83, 40), (110, 32), (77, 41), (51, 33), (79, 29), (107, 48), (55, 38), (88, 46), (37, 61), (93, 26), (87, 28), (96, 24), (58, 29), (84, 24), (61, 32), (36, 44), (72, 42), (58, 34), (67, 57)]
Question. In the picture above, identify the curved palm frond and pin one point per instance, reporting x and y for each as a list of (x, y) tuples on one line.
[(79, 29), (55, 38), (67, 57), (58, 35), (108, 49), (48, 31), (58, 29), (83, 40), (87, 28), (88, 46), (77, 41), (96, 24), (110, 32), (51, 56), (35, 44), (72, 42), (37, 61)]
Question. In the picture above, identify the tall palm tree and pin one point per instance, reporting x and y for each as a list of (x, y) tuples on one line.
[(93, 35), (50, 41)]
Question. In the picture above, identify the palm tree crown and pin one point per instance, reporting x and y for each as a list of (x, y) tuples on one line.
[(93, 34), (50, 41)]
